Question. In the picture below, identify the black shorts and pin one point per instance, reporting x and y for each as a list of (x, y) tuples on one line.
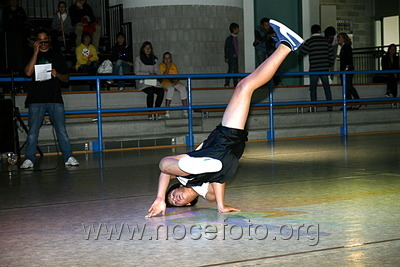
[(225, 144)]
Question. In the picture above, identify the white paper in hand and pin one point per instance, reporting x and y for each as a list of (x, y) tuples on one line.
[(42, 72)]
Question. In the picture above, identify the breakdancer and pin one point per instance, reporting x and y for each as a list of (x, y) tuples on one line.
[(205, 171)]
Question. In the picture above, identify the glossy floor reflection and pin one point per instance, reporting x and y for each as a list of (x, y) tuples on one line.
[(304, 203)]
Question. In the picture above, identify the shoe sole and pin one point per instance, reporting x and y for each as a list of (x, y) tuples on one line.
[(24, 168), (287, 33)]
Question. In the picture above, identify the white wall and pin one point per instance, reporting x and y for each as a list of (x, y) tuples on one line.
[(310, 11), (248, 32)]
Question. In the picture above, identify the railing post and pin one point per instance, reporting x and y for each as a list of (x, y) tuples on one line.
[(99, 147), (343, 129), (271, 132), (190, 137)]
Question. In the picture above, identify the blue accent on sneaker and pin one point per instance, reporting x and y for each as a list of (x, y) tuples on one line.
[(284, 34)]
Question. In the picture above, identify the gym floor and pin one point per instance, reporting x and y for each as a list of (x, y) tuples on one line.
[(305, 202)]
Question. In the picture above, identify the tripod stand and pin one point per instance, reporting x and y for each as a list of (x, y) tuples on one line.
[(16, 117)]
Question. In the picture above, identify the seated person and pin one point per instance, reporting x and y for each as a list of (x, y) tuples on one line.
[(83, 20), (86, 58), (121, 58), (167, 67), (146, 64), (390, 61), (63, 35)]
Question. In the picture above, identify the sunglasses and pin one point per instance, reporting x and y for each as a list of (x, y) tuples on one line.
[(43, 41)]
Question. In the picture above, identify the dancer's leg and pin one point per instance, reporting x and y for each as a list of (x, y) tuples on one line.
[(235, 115), (170, 166)]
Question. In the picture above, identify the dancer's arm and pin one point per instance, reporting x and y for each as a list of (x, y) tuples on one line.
[(159, 205), (219, 191)]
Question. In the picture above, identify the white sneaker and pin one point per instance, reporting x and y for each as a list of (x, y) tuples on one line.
[(26, 164), (167, 115), (199, 165), (71, 162)]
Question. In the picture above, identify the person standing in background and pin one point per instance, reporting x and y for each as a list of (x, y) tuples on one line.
[(321, 58), (330, 34), (265, 44), (346, 64), (231, 51), (45, 96), (14, 24), (62, 31)]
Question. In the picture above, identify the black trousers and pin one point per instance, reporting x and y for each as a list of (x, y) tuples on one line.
[(391, 85), (351, 92), (151, 91)]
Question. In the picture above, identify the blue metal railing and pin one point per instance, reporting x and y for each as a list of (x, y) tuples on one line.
[(98, 146)]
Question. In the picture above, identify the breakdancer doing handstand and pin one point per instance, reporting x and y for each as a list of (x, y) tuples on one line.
[(205, 171)]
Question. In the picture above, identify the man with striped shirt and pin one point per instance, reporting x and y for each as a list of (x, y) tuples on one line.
[(321, 58)]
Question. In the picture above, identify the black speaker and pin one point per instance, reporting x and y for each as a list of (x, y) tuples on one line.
[(7, 138)]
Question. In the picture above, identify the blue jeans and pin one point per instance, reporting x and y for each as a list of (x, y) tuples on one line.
[(261, 56), (120, 68), (57, 116), (325, 84)]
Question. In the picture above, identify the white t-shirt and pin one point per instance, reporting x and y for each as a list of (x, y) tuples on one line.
[(200, 189)]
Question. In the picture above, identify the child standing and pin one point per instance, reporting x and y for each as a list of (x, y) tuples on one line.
[(232, 52)]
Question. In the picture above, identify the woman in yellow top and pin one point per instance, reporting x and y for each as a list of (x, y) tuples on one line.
[(170, 85), (86, 56)]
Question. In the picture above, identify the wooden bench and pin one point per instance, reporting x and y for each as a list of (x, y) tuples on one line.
[(105, 82), (111, 114)]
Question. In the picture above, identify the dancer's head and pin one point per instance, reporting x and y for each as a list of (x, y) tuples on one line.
[(178, 196)]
